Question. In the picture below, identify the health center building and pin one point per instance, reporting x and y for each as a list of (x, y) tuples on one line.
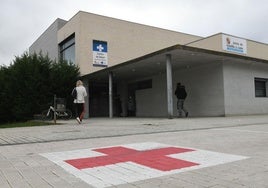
[(131, 69)]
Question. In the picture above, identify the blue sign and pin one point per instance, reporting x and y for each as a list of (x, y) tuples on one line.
[(100, 50), (99, 46)]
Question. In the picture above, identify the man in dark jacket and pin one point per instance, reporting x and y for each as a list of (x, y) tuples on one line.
[(181, 96)]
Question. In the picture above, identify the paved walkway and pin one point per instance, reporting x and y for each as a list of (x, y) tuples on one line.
[(26, 154)]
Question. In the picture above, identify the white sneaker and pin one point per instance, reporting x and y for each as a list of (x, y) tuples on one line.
[(78, 120)]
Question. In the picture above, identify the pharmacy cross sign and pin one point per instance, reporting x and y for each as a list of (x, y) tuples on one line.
[(155, 158), (100, 48)]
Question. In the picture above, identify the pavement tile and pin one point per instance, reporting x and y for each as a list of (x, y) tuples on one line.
[(21, 164)]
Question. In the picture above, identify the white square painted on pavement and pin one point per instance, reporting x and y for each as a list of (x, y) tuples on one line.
[(115, 165)]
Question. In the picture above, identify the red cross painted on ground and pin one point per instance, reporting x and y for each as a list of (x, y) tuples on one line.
[(155, 158)]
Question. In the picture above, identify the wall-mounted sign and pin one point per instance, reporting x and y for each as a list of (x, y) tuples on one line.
[(233, 44), (100, 53)]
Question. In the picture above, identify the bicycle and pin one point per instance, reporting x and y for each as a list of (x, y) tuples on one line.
[(49, 114)]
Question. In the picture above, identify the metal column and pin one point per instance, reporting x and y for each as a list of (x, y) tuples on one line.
[(169, 86), (110, 94)]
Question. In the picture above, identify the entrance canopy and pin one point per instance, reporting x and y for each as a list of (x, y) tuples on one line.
[(155, 63)]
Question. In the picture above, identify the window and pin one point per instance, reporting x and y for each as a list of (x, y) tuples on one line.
[(67, 49), (260, 87)]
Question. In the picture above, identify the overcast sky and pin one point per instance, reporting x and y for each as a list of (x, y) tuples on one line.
[(23, 21)]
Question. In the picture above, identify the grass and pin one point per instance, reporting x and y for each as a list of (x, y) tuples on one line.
[(26, 124)]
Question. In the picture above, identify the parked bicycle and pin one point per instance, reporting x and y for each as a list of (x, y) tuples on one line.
[(49, 114), (59, 110)]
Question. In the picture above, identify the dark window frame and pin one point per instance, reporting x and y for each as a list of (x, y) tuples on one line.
[(260, 85), (66, 44)]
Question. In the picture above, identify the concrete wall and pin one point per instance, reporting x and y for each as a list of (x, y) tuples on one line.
[(47, 42), (204, 85), (126, 40), (214, 42), (239, 89), (153, 102), (257, 50)]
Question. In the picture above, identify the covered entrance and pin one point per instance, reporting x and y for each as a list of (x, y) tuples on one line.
[(150, 81)]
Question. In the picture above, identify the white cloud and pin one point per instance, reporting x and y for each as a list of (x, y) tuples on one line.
[(21, 22)]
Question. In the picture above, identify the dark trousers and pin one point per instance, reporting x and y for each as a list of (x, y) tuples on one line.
[(180, 107), (79, 110)]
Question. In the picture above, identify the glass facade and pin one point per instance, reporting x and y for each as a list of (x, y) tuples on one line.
[(67, 49)]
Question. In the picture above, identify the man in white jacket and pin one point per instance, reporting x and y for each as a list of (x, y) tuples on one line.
[(79, 101)]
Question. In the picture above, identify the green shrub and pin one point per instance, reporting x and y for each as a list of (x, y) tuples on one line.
[(28, 85)]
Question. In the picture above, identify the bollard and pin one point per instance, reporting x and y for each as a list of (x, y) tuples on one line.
[(55, 109)]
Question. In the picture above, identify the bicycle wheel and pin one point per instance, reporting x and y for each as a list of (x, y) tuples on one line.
[(68, 114), (45, 116)]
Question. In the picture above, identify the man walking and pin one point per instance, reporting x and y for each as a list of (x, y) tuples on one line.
[(181, 96)]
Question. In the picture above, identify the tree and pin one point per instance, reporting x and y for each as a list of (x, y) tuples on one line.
[(30, 83), (5, 110)]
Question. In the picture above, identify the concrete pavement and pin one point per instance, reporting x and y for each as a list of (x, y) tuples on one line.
[(23, 151)]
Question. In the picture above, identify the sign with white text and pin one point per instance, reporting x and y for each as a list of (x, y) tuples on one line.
[(233, 44), (100, 53)]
